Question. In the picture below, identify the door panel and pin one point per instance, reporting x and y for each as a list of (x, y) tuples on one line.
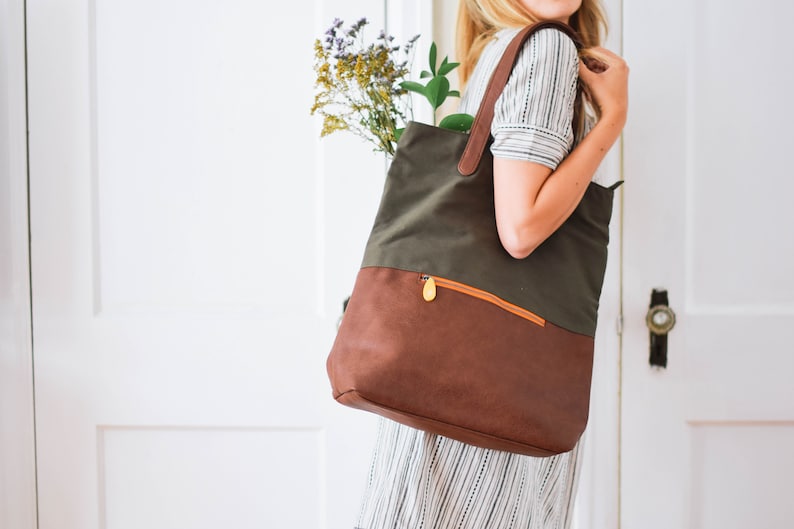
[(706, 156), (242, 470), (209, 108), (192, 242)]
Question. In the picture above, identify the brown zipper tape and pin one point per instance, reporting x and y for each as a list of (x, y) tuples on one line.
[(479, 294)]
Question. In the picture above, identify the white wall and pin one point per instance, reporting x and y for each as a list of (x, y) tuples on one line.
[(17, 466), (445, 14)]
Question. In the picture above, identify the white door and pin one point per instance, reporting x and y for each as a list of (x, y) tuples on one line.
[(707, 442), (192, 242)]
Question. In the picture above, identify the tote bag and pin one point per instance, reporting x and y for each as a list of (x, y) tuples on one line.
[(444, 330)]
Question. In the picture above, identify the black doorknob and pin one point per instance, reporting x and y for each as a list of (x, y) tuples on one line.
[(660, 321)]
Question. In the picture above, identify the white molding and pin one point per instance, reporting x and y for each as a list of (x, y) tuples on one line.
[(404, 19), (17, 438), (409, 17)]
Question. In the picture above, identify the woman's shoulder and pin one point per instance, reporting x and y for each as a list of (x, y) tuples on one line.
[(552, 41), (547, 50), (543, 42)]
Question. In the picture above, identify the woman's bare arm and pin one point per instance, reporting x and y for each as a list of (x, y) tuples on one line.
[(531, 200)]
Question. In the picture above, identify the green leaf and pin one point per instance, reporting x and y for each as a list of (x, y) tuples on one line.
[(437, 90), (424, 74), (448, 67), (454, 93), (413, 86), (459, 122), (433, 53), (398, 133)]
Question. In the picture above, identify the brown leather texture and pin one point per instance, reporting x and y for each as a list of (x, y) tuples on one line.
[(460, 366)]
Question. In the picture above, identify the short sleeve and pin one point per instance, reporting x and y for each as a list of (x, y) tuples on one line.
[(532, 117)]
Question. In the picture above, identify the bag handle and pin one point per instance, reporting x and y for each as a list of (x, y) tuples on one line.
[(481, 128)]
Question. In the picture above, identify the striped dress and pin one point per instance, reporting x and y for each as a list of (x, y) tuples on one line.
[(419, 480)]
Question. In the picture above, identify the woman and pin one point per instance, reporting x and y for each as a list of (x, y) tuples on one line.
[(546, 151)]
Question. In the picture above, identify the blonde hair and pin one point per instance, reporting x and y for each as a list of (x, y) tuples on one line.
[(479, 20)]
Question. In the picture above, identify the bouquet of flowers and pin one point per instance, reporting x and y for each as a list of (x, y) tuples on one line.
[(363, 88)]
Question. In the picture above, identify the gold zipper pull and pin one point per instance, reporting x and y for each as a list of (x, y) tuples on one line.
[(429, 290)]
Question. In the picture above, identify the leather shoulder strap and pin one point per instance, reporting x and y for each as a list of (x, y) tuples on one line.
[(481, 128)]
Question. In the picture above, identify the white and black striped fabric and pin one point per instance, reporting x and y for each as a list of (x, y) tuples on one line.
[(532, 117), (424, 481)]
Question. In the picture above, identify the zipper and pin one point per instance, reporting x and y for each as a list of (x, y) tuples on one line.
[(432, 283)]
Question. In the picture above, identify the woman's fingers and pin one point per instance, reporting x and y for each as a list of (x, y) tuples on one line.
[(604, 56), (594, 65), (587, 72), (605, 75), (599, 60)]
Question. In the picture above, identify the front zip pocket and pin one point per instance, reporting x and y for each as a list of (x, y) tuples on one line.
[(432, 283)]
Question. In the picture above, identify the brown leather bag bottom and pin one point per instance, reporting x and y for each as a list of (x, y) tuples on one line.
[(460, 366)]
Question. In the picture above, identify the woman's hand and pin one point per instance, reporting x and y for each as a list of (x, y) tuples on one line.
[(605, 76)]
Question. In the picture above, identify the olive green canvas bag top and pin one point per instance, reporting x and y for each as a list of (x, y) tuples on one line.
[(444, 330)]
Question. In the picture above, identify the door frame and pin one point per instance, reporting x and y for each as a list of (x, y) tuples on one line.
[(18, 506)]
